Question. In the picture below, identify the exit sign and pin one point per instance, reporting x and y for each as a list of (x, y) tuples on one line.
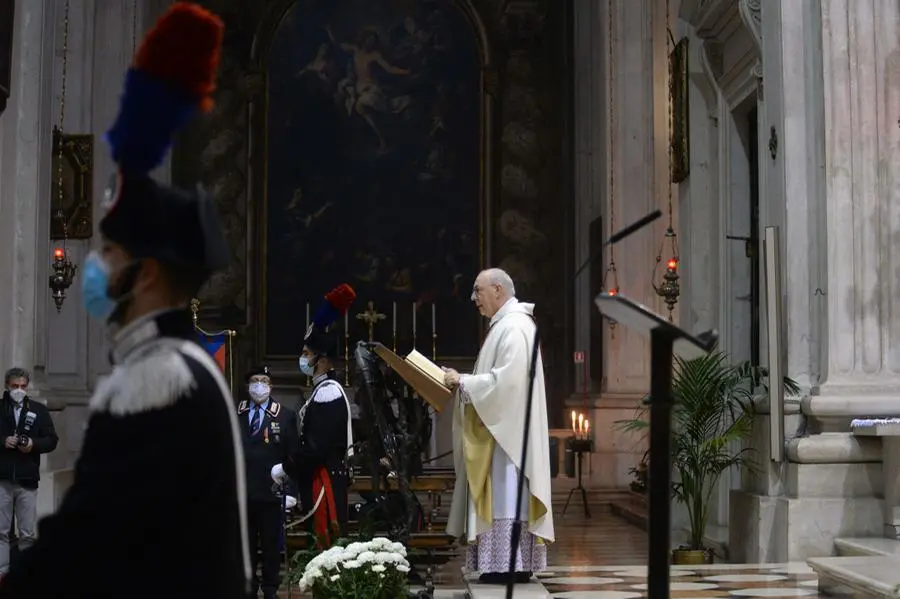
[(579, 357)]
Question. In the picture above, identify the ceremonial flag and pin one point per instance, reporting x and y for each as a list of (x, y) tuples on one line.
[(216, 346)]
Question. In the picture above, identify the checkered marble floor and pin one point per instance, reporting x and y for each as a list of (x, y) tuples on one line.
[(602, 557), (687, 582)]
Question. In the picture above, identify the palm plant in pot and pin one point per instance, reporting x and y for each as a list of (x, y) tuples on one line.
[(713, 413)]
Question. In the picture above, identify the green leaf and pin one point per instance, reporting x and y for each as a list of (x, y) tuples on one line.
[(714, 412)]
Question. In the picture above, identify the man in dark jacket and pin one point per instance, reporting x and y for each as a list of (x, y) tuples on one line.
[(270, 436), (26, 430)]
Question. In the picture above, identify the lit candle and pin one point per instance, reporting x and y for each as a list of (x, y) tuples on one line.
[(581, 423), (414, 319), (587, 428), (395, 318), (574, 430)]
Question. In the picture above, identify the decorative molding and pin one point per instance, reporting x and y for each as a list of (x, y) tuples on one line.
[(74, 206), (751, 15)]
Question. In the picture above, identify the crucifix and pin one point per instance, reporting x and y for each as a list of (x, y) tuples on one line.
[(370, 317)]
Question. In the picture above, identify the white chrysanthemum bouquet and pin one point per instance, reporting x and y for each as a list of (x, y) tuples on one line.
[(376, 569)]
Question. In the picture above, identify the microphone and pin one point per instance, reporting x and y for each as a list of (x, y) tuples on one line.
[(532, 371), (619, 236)]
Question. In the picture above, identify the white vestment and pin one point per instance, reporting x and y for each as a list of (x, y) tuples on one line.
[(490, 416)]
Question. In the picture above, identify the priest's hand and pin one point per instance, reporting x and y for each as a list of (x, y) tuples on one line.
[(451, 377)]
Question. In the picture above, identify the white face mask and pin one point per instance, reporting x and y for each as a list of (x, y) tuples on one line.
[(305, 367), (17, 395), (260, 392)]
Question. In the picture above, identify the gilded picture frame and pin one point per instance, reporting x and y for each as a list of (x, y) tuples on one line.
[(72, 211), (679, 141)]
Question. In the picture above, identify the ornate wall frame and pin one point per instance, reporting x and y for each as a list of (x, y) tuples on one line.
[(680, 140), (76, 210), (258, 160)]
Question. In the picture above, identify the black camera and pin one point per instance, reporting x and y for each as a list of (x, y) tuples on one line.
[(22, 441)]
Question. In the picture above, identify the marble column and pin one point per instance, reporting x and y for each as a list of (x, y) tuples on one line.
[(22, 152), (861, 67), (800, 161), (591, 108)]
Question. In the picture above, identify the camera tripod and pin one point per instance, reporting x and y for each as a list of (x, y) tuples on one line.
[(579, 447)]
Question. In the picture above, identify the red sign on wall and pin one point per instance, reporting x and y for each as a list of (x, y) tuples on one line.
[(579, 357)]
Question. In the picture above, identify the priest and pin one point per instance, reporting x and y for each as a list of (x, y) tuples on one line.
[(488, 433)]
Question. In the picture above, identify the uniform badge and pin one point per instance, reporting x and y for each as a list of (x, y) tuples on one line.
[(265, 435)]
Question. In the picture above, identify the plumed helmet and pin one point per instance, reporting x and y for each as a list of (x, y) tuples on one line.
[(169, 83)]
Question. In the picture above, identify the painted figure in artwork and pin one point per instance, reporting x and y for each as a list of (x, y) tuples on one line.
[(360, 90)]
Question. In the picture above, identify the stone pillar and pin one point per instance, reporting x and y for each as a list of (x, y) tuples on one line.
[(591, 102), (840, 95), (801, 162), (21, 150), (861, 66)]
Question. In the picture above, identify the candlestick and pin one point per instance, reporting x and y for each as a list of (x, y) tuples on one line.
[(346, 355), (308, 379), (346, 324), (395, 327), (433, 333), (414, 325)]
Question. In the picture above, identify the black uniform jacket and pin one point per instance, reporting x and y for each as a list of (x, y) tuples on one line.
[(158, 504), (35, 423), (274, 443), (323, 434)]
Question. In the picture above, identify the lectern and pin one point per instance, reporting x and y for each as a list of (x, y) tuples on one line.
[(666, 340)]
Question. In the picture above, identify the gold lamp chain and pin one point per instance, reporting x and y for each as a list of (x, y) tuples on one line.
[(670, 124), (62, 117), (612, 286), (612, 130)]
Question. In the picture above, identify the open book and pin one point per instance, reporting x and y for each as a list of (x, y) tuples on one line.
[(426, 366), (420, 373)]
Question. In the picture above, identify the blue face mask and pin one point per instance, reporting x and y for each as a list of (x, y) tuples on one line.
[(305, 367), (95, 286)]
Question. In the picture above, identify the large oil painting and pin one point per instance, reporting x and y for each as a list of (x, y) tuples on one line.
[(374, 166)]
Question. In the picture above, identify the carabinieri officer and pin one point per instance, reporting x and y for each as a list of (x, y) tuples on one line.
[(269, 431)]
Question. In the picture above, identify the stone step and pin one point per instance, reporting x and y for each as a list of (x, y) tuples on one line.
[(531, 590), (863, 576), (868, 546), (633, 511)]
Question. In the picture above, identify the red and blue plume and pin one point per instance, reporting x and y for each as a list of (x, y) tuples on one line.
[(337, 302), (172, 78)]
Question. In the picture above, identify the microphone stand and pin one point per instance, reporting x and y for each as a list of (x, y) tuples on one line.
[(517, 523)]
